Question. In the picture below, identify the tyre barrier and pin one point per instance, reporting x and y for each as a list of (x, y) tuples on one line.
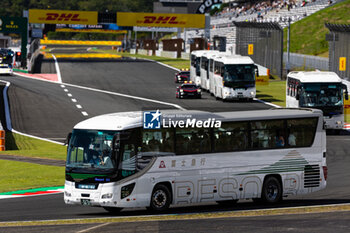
[(2, 140)]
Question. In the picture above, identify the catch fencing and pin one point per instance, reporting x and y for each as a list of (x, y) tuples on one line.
[(339, 49), (263, 42)]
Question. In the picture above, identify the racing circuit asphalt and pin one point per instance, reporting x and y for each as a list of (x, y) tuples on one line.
[(44, 109)]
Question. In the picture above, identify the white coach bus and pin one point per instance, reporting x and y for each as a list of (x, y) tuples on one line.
[(265, 155), (195, 68), (207, 67), (233, 77), (321, 90)]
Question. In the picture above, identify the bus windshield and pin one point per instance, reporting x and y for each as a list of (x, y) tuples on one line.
[(239, 74), (91, 149), (321, 94)]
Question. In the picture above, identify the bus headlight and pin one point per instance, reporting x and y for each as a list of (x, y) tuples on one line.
[(181, 90), (127, 190), (67, 194), (199, 90), (107, 196), (252, 93), (338, 122)]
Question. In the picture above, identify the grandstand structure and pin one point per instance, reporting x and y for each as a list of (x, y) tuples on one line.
[(222, 24)]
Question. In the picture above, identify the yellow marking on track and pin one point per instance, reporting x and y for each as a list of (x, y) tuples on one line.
[(79, 42), (172, 217), (82, 55)]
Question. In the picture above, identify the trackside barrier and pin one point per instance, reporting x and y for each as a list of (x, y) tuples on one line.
[(347, 111), (347, 103), (2, 140), (80, 42), (264, 75)]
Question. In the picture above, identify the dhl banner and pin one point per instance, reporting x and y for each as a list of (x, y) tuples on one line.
[(92, 30), (161, 20), (65, 17)]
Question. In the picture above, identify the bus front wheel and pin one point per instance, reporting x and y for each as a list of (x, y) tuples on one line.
[(160, 199), (271, 191)]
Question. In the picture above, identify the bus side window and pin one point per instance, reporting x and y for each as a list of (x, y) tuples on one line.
[(192, 141), (158, 140), (301, 132), (267, 134), (232, 136)]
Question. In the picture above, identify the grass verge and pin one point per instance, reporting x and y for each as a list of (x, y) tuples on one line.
[(17, 144), (19, 175), (308, 36), (272, 93)]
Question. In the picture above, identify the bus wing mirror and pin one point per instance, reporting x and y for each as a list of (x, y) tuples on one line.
[(257, 71), (69, 136), (116, 142), (297, 95), (346, 93)]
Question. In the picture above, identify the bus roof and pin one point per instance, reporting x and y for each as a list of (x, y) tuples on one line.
[(315, 76), (198, 53), (234, 59), (213, 54), (128, 120)]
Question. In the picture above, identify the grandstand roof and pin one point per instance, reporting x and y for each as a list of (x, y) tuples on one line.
[(274, 26)]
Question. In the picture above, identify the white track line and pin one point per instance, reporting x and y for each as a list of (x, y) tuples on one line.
[(106, 92), (160, 63), (57, 69), (267, 103), (8, 118), (6, 106)]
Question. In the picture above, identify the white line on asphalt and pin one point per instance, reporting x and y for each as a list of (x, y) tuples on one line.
[(267, 103), (79, 106), (8, 117), (6, 106), (69, 95), (74, 100), (32, 136), (57, 69), (108, 92), (94, 227), (126, 96), (63, 86), (66, 90), (160, 63), (84, 113)]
